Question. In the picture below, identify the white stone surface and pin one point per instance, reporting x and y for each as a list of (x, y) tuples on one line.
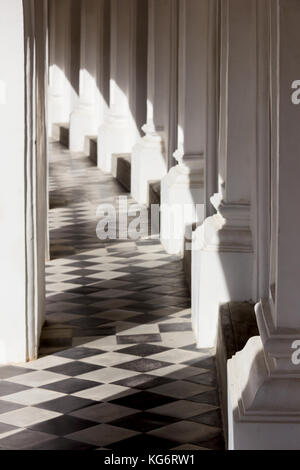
[(223, 246), (148, 164), (221, 270), (22, 250), (183, 189), (61, 92), (119, 132), (113, 138), (89, 112), (182, 204), (264, 378), (151, 155), (271, 420)]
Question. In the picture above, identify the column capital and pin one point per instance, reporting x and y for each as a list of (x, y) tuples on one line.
[(189, 163), (233, 214), (152, 133)]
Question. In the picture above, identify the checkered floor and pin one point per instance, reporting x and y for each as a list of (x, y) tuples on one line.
[(118, 366)]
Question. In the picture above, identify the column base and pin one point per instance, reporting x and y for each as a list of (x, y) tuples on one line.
[(182, 204), (82, 124), (222, 267), (263, 409), (113, 138), (148, 162)]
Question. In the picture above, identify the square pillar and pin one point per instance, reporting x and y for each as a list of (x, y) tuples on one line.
[(61, 93), (91, 107), (119, 131), (151, 156), (183, 188), (264, 378), (222, 246), (23, 78)]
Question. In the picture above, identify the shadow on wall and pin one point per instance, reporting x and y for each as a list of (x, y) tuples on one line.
[(74, 45), (70, 72)]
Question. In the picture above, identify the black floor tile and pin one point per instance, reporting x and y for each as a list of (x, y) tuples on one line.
[(5, 428), (23, 440), (145, 318), (65, 404), (81, 310), (69, 386), (143, 400), (210, 398), (144, 365), (8, 388), (204, 379), (90, 322), (207, 362), (216, 443), (212, 418), (8, 372), (143, 381), (7, 406), (143, 422), (144, 350), (143, 307), (79, 353), (100, 331), (74, 368), (62, 425), (62, 444), (56, 342), (135, 339), (143, 442)]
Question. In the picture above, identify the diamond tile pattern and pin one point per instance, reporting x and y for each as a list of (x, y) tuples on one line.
[(118, 364)]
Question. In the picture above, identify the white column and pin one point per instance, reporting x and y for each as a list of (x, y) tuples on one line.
[(264, 378), (60, 86), (151, 155), (39, 181), (103, 73), (222, 245), (183, 189), (84, 120), (118, 133), (23, 27)]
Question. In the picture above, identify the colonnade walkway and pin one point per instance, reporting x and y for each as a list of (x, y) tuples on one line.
[(118, 366)]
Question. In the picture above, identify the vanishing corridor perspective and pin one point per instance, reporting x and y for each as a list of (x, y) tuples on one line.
[(118, 368), (187, 336)]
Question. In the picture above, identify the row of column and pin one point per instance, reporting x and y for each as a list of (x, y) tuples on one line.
[(151, 98), (152, 155), (183, 189), (218, 96), (121, 126), (264, 377)]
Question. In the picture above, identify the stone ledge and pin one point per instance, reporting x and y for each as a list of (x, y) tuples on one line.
[(187, 259), (154, 192), (91, 148), (237, 324), (61, 133), (121, 169), (154, 199)]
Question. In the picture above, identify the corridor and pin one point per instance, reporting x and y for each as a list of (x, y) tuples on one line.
[(118, 366)]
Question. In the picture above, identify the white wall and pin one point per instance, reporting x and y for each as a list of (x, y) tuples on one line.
[(12, 185), (17, 197)]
